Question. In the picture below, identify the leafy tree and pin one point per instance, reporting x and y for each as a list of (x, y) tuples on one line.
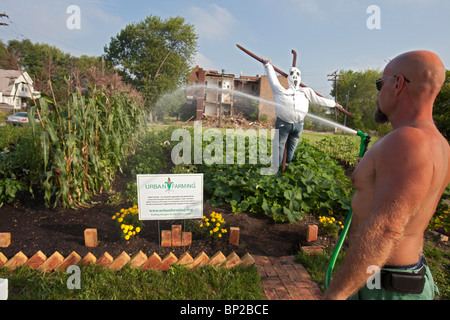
[(53, 71), (357, 92), (154, 55)]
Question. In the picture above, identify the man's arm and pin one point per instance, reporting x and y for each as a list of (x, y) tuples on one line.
[(403, 174), (273, 80), (317, 100)]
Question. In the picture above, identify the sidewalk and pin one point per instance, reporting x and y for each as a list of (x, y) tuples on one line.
[(285, 279)]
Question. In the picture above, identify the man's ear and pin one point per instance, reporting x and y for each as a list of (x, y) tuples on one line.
[(399, 83)]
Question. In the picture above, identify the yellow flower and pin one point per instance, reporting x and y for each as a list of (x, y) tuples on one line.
[(207, 224), (138, 229), (220, 236), (120, 219), (113, 217), (127, 237), (217, 224), (201, 225)]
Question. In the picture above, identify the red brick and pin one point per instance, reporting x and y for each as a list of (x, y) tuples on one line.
[(18, 260), (176, 235), (166, 238), (168, 261), (186, 239), (294, 293), (232, 260), (88, 259), (312, 249), (218, 259), (3, 259), (52, 262), (200, 260), (105, 259), (36, 260), (283, 294), (287, 281), (271, 294), (317, 293), (5, 239), (272, 282), (90, 237), (311, 234), (185, 260), (234, 236), (270, 271), (154, 262), (247, 260), (119, 262), (138, 260), (72, 259), (306, 294)]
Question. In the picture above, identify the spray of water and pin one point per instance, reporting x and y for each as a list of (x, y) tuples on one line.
[(313, 117)]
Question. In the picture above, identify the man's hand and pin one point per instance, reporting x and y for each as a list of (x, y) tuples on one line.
[(341, 109), (266, 61)]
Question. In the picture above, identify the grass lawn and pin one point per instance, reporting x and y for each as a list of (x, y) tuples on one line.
[(205, 283)]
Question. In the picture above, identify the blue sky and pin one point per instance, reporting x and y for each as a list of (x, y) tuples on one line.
[(328, 35)]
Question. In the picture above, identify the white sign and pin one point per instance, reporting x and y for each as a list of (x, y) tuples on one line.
[(170, 196)]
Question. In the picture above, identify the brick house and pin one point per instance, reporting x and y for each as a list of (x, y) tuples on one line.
[(210, 91)]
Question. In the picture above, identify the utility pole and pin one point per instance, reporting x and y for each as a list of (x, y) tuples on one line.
[(335, 77)]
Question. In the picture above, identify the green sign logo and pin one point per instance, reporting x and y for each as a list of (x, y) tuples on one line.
[(169, 184)]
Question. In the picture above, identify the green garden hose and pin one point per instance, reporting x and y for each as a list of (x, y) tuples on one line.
[(365, 139)]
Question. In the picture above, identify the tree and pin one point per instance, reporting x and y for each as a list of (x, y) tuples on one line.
[(441, 110), (154, 55), (357, 92), (54, 72)]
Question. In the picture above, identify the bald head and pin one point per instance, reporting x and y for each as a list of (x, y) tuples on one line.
[(424, 69)]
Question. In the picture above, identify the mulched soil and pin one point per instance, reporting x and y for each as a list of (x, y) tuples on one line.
[(34, 227)]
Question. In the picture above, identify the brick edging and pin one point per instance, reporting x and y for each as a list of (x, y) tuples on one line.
[(56, 261)]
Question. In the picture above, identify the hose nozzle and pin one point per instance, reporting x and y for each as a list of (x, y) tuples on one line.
[(365, 140)]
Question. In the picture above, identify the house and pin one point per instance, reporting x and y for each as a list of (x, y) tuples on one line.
[(212, 91), (14, 90)]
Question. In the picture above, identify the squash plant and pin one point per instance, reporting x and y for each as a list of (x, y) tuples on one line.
[(313, 183)]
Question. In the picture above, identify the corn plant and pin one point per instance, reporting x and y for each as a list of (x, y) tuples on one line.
[(83, 144)]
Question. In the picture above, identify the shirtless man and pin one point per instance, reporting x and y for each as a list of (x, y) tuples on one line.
[(398, 186)]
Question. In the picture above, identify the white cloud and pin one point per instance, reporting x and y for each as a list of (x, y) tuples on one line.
[(203, 62), (45, 21), (212, 22)]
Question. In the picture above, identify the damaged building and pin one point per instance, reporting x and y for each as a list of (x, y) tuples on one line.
[(214, 93)]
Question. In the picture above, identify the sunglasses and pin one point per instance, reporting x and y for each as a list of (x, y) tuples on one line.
[(379, 82)]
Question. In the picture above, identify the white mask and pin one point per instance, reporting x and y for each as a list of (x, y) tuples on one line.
[(294, 78)]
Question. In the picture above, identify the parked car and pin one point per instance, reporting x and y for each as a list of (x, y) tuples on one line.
[(18, 119)]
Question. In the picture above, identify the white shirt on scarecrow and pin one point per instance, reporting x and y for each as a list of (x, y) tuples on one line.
[(292, 104)]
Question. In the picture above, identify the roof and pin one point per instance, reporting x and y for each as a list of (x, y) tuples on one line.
[(8, 78)]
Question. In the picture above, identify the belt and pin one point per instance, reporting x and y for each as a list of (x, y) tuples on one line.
[(403, 282)]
